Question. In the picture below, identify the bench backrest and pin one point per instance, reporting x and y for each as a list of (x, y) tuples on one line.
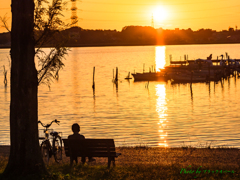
[(90, 147)]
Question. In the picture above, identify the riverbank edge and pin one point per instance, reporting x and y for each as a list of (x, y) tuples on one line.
[(5, 149)]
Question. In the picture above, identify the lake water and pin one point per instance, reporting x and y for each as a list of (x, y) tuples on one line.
[(163, 114)]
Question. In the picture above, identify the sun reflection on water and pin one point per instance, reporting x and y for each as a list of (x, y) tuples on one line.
[(160, 57), (161, 109)]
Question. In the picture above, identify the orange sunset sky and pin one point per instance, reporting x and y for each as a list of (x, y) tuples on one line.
[(168, 14)]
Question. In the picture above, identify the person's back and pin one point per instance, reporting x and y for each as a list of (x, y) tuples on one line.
[(76, 135)]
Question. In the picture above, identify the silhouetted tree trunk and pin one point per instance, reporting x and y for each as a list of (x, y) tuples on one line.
[(25, 157)]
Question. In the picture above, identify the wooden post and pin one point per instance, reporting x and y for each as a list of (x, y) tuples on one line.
[(235, 68), (147, 84), (94, 96), (93, 86), (191, 77), (143, 67), (209, 89), (208, 71), (5, 76), (116, 77), (191, 91)]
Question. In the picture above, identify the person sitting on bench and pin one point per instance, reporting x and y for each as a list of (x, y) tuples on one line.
[(76, 135)]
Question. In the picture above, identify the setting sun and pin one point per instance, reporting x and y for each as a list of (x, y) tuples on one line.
[(160, 14)]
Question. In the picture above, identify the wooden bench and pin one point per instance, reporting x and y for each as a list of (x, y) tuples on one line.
[(91, 148)]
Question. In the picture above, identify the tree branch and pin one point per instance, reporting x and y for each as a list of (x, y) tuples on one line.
[(4, 20)]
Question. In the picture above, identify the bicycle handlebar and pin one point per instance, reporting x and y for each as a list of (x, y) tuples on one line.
[(48, 125)]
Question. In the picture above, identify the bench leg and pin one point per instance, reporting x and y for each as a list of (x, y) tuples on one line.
[(111, 159)]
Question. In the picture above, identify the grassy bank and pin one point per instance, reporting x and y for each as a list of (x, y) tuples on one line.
[(152, 163)]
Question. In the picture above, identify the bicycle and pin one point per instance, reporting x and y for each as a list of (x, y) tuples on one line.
[(47, 149)]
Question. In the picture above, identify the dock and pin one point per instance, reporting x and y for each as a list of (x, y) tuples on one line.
[(199, 70)]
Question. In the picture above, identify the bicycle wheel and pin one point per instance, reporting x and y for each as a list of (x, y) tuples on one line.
[(57, 149), (45, 152)]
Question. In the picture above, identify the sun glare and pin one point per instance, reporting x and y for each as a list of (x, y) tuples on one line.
[(160, 13)]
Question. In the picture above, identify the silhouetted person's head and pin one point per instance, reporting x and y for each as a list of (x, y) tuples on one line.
[(75, 128)]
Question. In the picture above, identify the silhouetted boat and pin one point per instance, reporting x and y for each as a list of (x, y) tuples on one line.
[(192, 70), (188, 78), (150, 76)]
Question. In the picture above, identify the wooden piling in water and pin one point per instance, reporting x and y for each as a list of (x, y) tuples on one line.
[(191, 77), (147, 84), (209, 72), (116, 77), (5, 76), (191, 91), (93, 86)]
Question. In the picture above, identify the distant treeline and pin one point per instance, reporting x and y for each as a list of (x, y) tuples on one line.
[(140, 35)]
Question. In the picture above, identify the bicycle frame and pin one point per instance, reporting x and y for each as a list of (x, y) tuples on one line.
[(49, 146), (46, 147)]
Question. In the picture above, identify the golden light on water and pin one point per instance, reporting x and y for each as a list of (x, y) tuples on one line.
[(161, 110), (160, 57)]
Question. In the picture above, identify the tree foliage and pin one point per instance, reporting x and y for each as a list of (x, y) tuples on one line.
[(47, 29), (50, 64)]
